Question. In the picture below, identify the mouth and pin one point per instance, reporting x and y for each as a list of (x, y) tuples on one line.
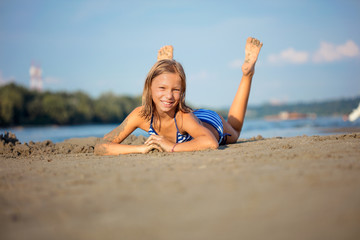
[(167, 104)]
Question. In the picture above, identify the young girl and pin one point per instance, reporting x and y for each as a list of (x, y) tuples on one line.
[(172, 125)]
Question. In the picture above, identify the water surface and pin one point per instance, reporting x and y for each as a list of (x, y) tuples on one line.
[(252, 127)]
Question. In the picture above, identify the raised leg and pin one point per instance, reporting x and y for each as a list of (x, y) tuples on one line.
[(238, 107), (166, 52)]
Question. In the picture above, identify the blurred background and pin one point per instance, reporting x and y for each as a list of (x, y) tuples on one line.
[(84, 62)]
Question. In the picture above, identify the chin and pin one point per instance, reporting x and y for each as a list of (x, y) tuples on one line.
[(168, 109)]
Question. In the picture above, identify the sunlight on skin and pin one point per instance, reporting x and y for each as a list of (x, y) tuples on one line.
[(165, 90), (166, 52), (252, 49)]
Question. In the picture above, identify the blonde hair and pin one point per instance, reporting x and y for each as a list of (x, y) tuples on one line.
[(160, 67)]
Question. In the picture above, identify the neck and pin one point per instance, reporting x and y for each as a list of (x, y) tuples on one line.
[(162, 117), (165, 115)]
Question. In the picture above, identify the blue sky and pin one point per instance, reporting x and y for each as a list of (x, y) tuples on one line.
[(310, 53)]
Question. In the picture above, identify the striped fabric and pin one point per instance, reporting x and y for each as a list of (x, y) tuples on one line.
[(211, 118), (151, 129), (203, 115)]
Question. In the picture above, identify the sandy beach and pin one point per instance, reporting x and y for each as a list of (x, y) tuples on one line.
[(277, 188)]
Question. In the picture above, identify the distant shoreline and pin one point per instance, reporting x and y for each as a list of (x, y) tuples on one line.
[(31, 108)]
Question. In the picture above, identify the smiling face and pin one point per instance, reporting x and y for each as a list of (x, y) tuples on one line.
[(166, 92), (164, 89)]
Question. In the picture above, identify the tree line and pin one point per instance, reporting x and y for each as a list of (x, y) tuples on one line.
[(21, 106), (337, 107)]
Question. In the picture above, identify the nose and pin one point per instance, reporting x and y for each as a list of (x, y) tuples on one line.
[(169, 95)]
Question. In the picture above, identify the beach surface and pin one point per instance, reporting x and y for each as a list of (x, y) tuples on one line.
[(305, 187)]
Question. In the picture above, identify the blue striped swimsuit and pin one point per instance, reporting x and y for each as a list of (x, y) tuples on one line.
[(203, 115)]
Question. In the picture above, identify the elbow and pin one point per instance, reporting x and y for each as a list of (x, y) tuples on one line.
[(213, 144), (208, 142)]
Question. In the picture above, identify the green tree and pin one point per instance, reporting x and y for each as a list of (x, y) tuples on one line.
[(108, 109), (11, 104), (84, 107), (55, 106)]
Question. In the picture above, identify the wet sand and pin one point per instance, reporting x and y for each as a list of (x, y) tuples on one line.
[(278, 188)]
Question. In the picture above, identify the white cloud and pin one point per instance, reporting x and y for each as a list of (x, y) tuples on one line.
[(236, 64), (289, 55), (329, 52)]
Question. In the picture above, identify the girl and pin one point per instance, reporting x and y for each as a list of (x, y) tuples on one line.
[(172, 125)]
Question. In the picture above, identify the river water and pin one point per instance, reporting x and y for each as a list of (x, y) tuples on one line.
[(252, 127)]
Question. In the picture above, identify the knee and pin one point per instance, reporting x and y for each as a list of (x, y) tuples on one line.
[(233, 137), (234, 134)]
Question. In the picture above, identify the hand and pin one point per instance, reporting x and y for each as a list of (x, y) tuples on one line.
[(148, 148), (160, 141)]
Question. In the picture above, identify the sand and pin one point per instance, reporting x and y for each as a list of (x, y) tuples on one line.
[(278, 188)]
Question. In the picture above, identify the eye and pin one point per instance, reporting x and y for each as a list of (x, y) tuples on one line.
[(176, 90)]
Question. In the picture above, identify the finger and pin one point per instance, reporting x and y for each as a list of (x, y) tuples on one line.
[(149, 142), (155, 146), (158, 148), (149, 149), (153, 141), (150, 138)]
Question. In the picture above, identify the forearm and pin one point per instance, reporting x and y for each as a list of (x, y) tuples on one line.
[(116, 149), (197, 144)]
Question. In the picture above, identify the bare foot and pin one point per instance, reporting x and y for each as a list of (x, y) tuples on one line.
[(166, 52), (252, 49)]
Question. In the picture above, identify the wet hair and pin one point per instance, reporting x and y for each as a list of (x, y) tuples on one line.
[(161, 67)]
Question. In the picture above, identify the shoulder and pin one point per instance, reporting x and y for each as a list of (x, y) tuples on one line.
[(137, 110), (190, 117), (136, 113), (135, 116), (137, 119), (185, 120)]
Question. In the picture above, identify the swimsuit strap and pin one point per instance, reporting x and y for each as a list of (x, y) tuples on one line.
[(177, 129), (151, 129), (181, 137)]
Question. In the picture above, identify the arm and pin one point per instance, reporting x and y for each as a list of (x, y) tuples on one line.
[(110, 143), (202, 137), (107, 148)]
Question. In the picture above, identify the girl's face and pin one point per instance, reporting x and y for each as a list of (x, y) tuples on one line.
[(166, 91)]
